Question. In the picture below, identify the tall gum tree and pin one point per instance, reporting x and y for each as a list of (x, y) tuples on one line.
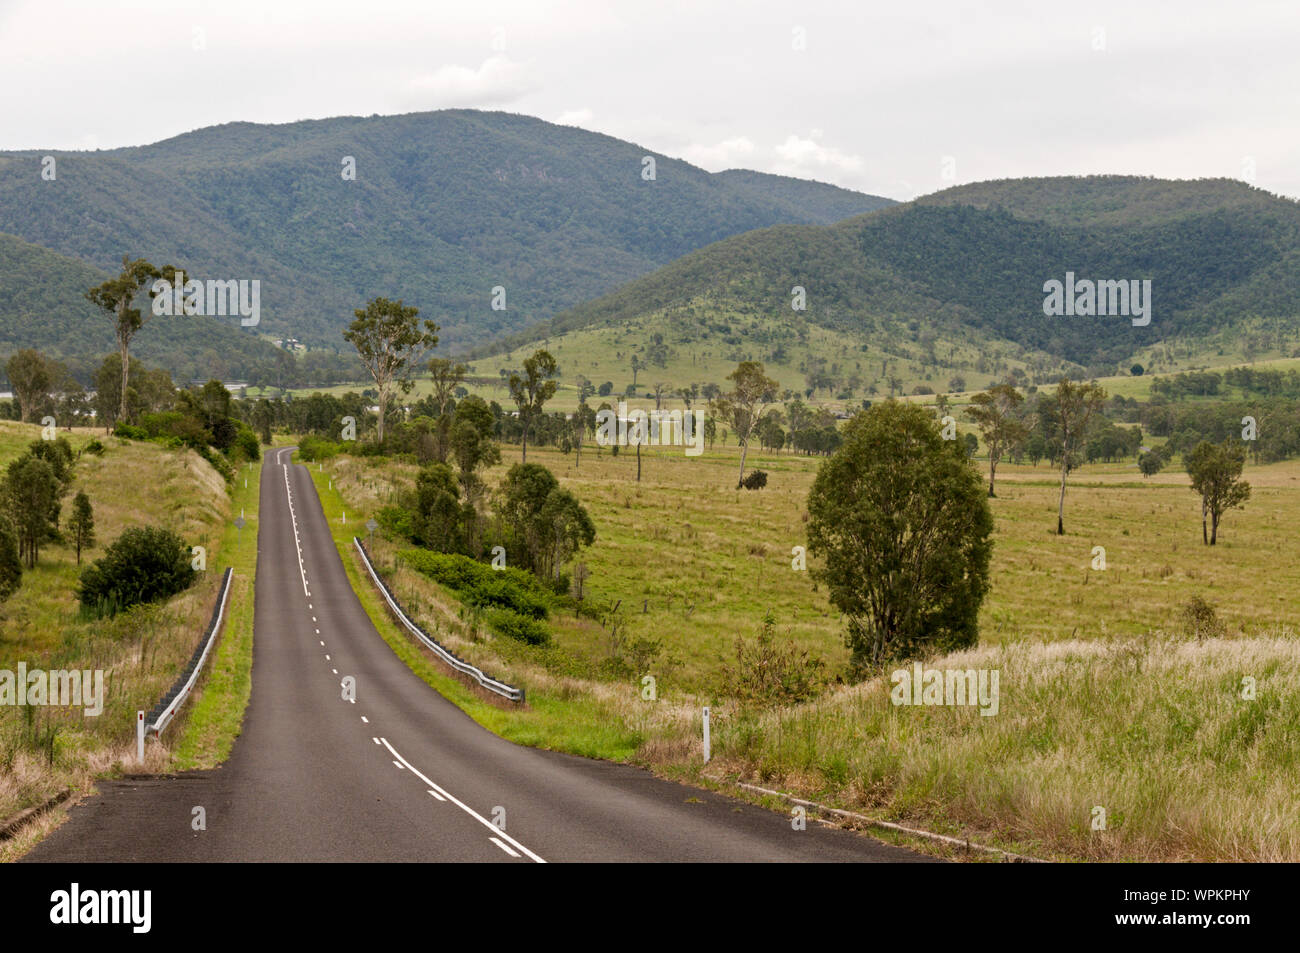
[(1076, 405), (391, 343), (531, 392), (743, 407), (996, 414), (117, 298)]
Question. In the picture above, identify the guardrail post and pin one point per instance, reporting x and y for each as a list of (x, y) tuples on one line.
[(706, 734), (139, 736)]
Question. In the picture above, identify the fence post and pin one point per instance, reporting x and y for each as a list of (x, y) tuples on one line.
[(139, 736), (706, 734)]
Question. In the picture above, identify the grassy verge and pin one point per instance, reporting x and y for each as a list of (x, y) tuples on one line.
[(576, 725), (215, 716), (46, 749)]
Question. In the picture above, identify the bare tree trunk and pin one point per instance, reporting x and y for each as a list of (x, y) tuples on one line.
[(122, 348), (525, 460), (638, 461), (744, 450), (383, 411), (1060, 507), (1204, 540), (993, 469)]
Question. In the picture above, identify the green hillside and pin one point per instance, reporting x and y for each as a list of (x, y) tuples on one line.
[(444, 207), (967, 267), (42, 306)]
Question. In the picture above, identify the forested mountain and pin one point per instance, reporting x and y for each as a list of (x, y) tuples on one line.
[(42, 306), (976, 258), (444, 207)]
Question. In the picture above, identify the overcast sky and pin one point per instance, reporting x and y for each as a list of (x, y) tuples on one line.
[(895, 98)]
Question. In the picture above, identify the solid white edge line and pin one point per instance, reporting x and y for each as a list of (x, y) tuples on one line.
[(460, 804), (508, 850)]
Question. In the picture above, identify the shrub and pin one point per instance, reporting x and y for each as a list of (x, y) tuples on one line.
[(767, 673), (144, 564), (93, 447), (246, 446), (1200, 621), (396, 520), (481, 586), (173, 423), (130, 432), (515, 626), (754, 480), (312, 448)]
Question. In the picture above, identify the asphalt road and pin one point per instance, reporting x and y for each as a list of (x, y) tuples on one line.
[(399, 774)]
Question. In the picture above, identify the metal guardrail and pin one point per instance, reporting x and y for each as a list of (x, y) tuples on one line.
[(165, 710), (491, 684)]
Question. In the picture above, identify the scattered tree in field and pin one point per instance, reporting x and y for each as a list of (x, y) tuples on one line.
[(11, 566), (1074, 406), (1150, 463), (1216, 476), (391, 344), (531, 392), (546, 523), (82, 524), (902, 524), (446, 375), (438, 517), (31, 378), (996, 414), (743, 406), (32, 492), (116, 297), (565, 528)]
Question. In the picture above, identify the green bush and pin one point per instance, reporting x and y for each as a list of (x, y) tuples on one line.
[(754, 480), (173, 423), (246, 445), (144, 564), (479, 585), (312, 448), (130, 432), (515, 626), (395, 520)]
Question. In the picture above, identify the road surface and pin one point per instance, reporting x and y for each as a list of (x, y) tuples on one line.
[(399, 774)]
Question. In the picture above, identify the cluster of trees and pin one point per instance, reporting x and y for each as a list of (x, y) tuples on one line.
[(538, 523), (33, 489), (807, 430), (1249, 381)]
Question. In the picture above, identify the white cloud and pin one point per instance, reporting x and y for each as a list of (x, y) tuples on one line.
[(804, 157), (724, 155), (497, 81)]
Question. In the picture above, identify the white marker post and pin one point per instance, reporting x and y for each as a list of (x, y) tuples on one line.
[(139, 736), (706, 735)]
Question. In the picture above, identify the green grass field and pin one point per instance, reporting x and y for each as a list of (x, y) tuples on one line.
[(1106, 700)]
